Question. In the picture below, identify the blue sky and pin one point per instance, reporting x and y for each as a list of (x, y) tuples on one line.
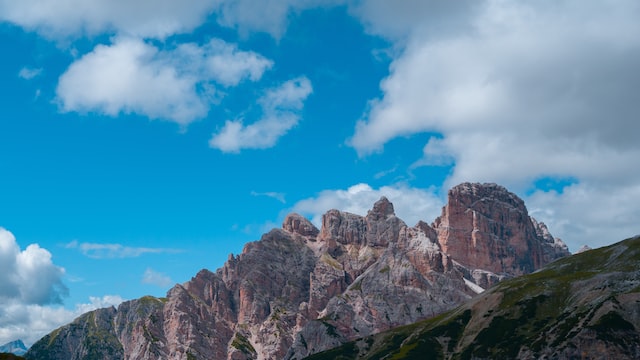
[(141, 141)]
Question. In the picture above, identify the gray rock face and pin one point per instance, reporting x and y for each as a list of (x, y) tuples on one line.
[(553, 248), (300, 290)]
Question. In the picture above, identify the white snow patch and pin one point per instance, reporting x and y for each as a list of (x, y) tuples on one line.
[(473, 286)]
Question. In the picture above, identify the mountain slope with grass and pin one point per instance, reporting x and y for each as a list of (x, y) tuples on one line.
[(583, 306)]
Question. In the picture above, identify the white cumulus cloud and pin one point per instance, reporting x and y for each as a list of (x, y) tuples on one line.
[(281, 109), (410, 204), (398, 19), (586, 214), (29, 275), (517, 92), (133, 76), (269, 16), (219, 61), (31, 290), (151, 18), (144, 18), (523, 70), (272, 194)]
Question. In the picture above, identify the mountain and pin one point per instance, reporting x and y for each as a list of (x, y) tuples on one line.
[(16, 347), (581, 307), (301, 290)]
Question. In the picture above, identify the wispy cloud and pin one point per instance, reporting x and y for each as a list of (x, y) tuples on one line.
[(384, 173), (115, 251), (276, 195), (153, 277), (96, 302), (281, 111), (29, 73)]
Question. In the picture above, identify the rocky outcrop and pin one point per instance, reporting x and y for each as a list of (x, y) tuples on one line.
[(484, 226), (301, 290), (553, 248)]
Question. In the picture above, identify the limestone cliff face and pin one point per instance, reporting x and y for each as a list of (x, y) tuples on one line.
[(301, 290), (484, 226)]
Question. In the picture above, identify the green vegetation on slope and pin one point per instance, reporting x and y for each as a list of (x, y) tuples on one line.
[(90, 336), (243, 344)]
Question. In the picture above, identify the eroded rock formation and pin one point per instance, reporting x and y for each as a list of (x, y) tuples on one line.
[(300, 290)]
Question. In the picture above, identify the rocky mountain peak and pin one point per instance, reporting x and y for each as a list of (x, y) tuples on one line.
[(484, 226), (382, 209), (16, 347), (473, 192), (300, 290), (299, 224), (554, 247)]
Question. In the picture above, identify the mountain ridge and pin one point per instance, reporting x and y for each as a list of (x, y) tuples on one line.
[(583, 306), (16, 347), (300, 290)]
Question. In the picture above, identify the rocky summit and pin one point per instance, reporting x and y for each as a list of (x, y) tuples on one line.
[(16, 347), (300, 290)]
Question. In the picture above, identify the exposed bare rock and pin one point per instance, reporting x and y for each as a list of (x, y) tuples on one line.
[(327, 280), (411, 280), (343, 228), (300, 290), (580, 307), (484, 226), (553, 248), (140, 325), (299, 224), (382, 224)]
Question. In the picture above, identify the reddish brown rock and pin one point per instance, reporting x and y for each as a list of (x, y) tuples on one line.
[(343, 228), (298, 224), (484, 226), (300, 290)]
